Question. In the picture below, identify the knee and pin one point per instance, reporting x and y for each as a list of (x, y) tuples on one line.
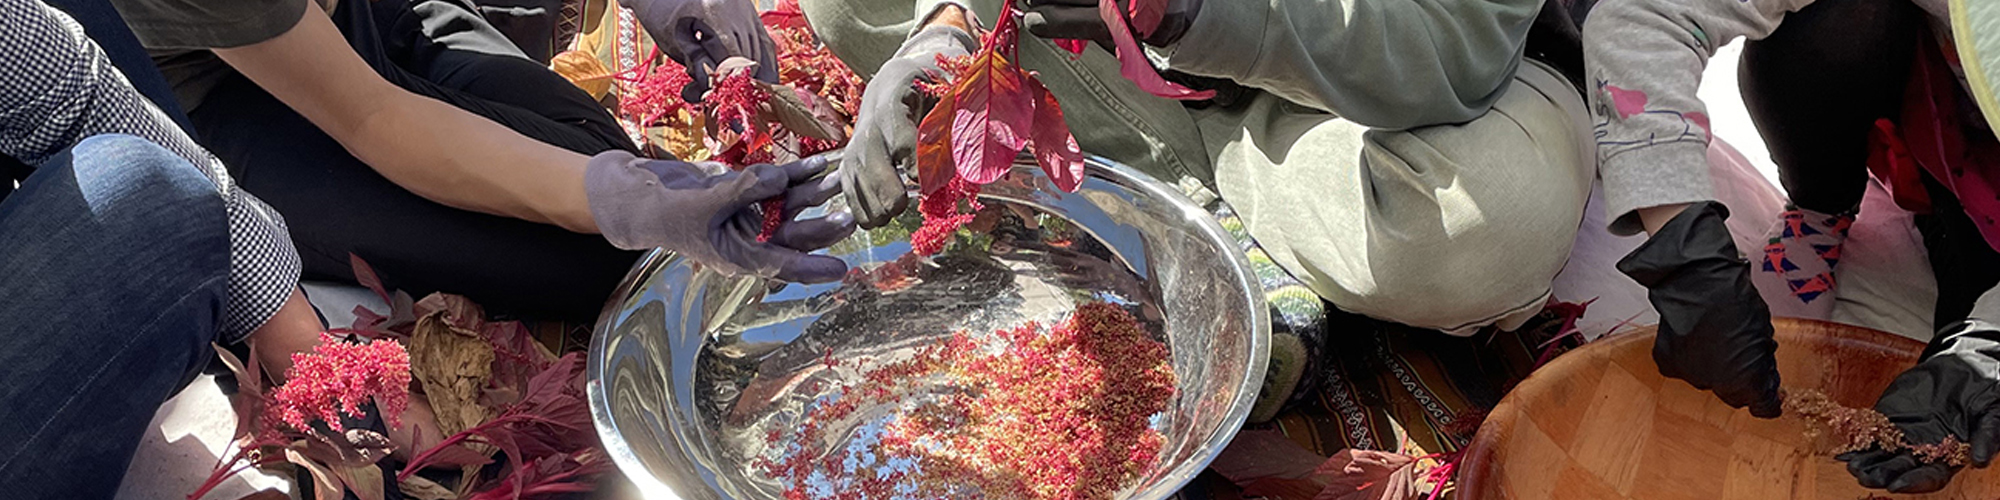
[(1479, 289), (144, 192), (114, 169)]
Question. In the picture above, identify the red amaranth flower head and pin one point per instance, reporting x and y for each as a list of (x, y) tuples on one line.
[(942, 215), (338, 377), (656, 94)]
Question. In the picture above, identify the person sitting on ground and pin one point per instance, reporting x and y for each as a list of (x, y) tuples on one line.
[(412, 134), (1838, 88), (1389, 169), (128, 251)]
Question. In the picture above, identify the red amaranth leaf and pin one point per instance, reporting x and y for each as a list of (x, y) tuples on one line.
[(935, 167), (551, 420), (1146, 16), (785, 15), (1132, 59), (1256, 455), (1073, 46), (1055, 148), (994, 112), (1368, 475), (364, 275)]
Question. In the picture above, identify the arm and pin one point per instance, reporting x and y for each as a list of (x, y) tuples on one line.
[(60, 88), (435, 150), (1645, 59), (1383, 63)]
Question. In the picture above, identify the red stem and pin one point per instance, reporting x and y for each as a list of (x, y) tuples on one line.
[(422, 459)]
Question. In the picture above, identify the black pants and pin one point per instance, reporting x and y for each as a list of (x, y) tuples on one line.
[(1815, 88), (337, 205)]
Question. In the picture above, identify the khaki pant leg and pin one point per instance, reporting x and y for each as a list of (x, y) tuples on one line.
[(1448, 227)]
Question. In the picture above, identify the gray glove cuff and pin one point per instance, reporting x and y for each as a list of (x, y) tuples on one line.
[(615, 175), (937, 38), (971, 16)]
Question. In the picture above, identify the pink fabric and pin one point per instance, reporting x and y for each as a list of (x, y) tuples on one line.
[(1934, 128), (1884, 272)]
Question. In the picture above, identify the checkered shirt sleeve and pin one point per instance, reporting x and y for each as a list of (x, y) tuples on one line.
[(57, 88)]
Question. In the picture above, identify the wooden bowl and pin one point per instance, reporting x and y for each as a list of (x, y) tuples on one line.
[(1601, 423)]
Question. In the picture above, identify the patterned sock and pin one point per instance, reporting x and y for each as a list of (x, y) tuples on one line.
[(1800, 254)]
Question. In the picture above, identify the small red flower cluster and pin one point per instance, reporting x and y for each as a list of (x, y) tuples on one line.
[(655, 94), (1043, 413), (338, 377), (943, 215)]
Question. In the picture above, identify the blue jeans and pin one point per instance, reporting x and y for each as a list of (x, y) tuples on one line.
[(113, 272)]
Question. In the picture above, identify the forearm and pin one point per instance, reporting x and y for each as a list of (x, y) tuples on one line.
[(1645, 59), (459, 159), (1383, 63), (433, 149), (294, 329)]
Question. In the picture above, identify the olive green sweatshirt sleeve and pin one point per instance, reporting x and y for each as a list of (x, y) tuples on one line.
[(1392, 64)]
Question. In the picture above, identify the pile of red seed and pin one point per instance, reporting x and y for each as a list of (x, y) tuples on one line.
[(1036, 413)]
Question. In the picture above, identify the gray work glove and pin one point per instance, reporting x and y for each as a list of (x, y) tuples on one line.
[(712, 214), (701, 33), (1954, 391), (884, 144)]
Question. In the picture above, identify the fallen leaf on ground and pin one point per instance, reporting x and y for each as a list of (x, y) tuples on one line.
[(364, 481), (584, 71), (418, 488), (452, 360)]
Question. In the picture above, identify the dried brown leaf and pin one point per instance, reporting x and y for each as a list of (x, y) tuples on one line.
[(267, 495), (418, 488), (354, 448), (364, 481), (248, 401), (452, 361), (584, 71), (325, 484)]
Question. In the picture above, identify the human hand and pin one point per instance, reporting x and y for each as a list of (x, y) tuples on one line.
[(712, 214), (702, 33), (1159, 23), (1715, 330), (1951, 393), (885, 130)]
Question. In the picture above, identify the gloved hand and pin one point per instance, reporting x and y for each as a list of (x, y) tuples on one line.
[(884, 143), (1715, 331), (701, 33), (1954, 391), (1160, 23), (711, 214)]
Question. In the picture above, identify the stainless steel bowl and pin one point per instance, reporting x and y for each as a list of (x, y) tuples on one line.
[(689, 368)]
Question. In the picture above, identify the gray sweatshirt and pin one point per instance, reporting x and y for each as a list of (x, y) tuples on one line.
[(1645, 60)]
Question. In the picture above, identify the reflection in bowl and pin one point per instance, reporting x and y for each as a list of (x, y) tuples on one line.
[(696, 378)]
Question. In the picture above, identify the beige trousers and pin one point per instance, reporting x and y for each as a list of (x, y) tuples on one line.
[(1449, 227)]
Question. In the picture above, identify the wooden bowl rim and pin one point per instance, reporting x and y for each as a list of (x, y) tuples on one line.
[(1472, 469)]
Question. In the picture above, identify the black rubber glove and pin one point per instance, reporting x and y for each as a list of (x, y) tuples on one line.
[(885, 132), (1715, 331), (1954, 391), (1079, 20)]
